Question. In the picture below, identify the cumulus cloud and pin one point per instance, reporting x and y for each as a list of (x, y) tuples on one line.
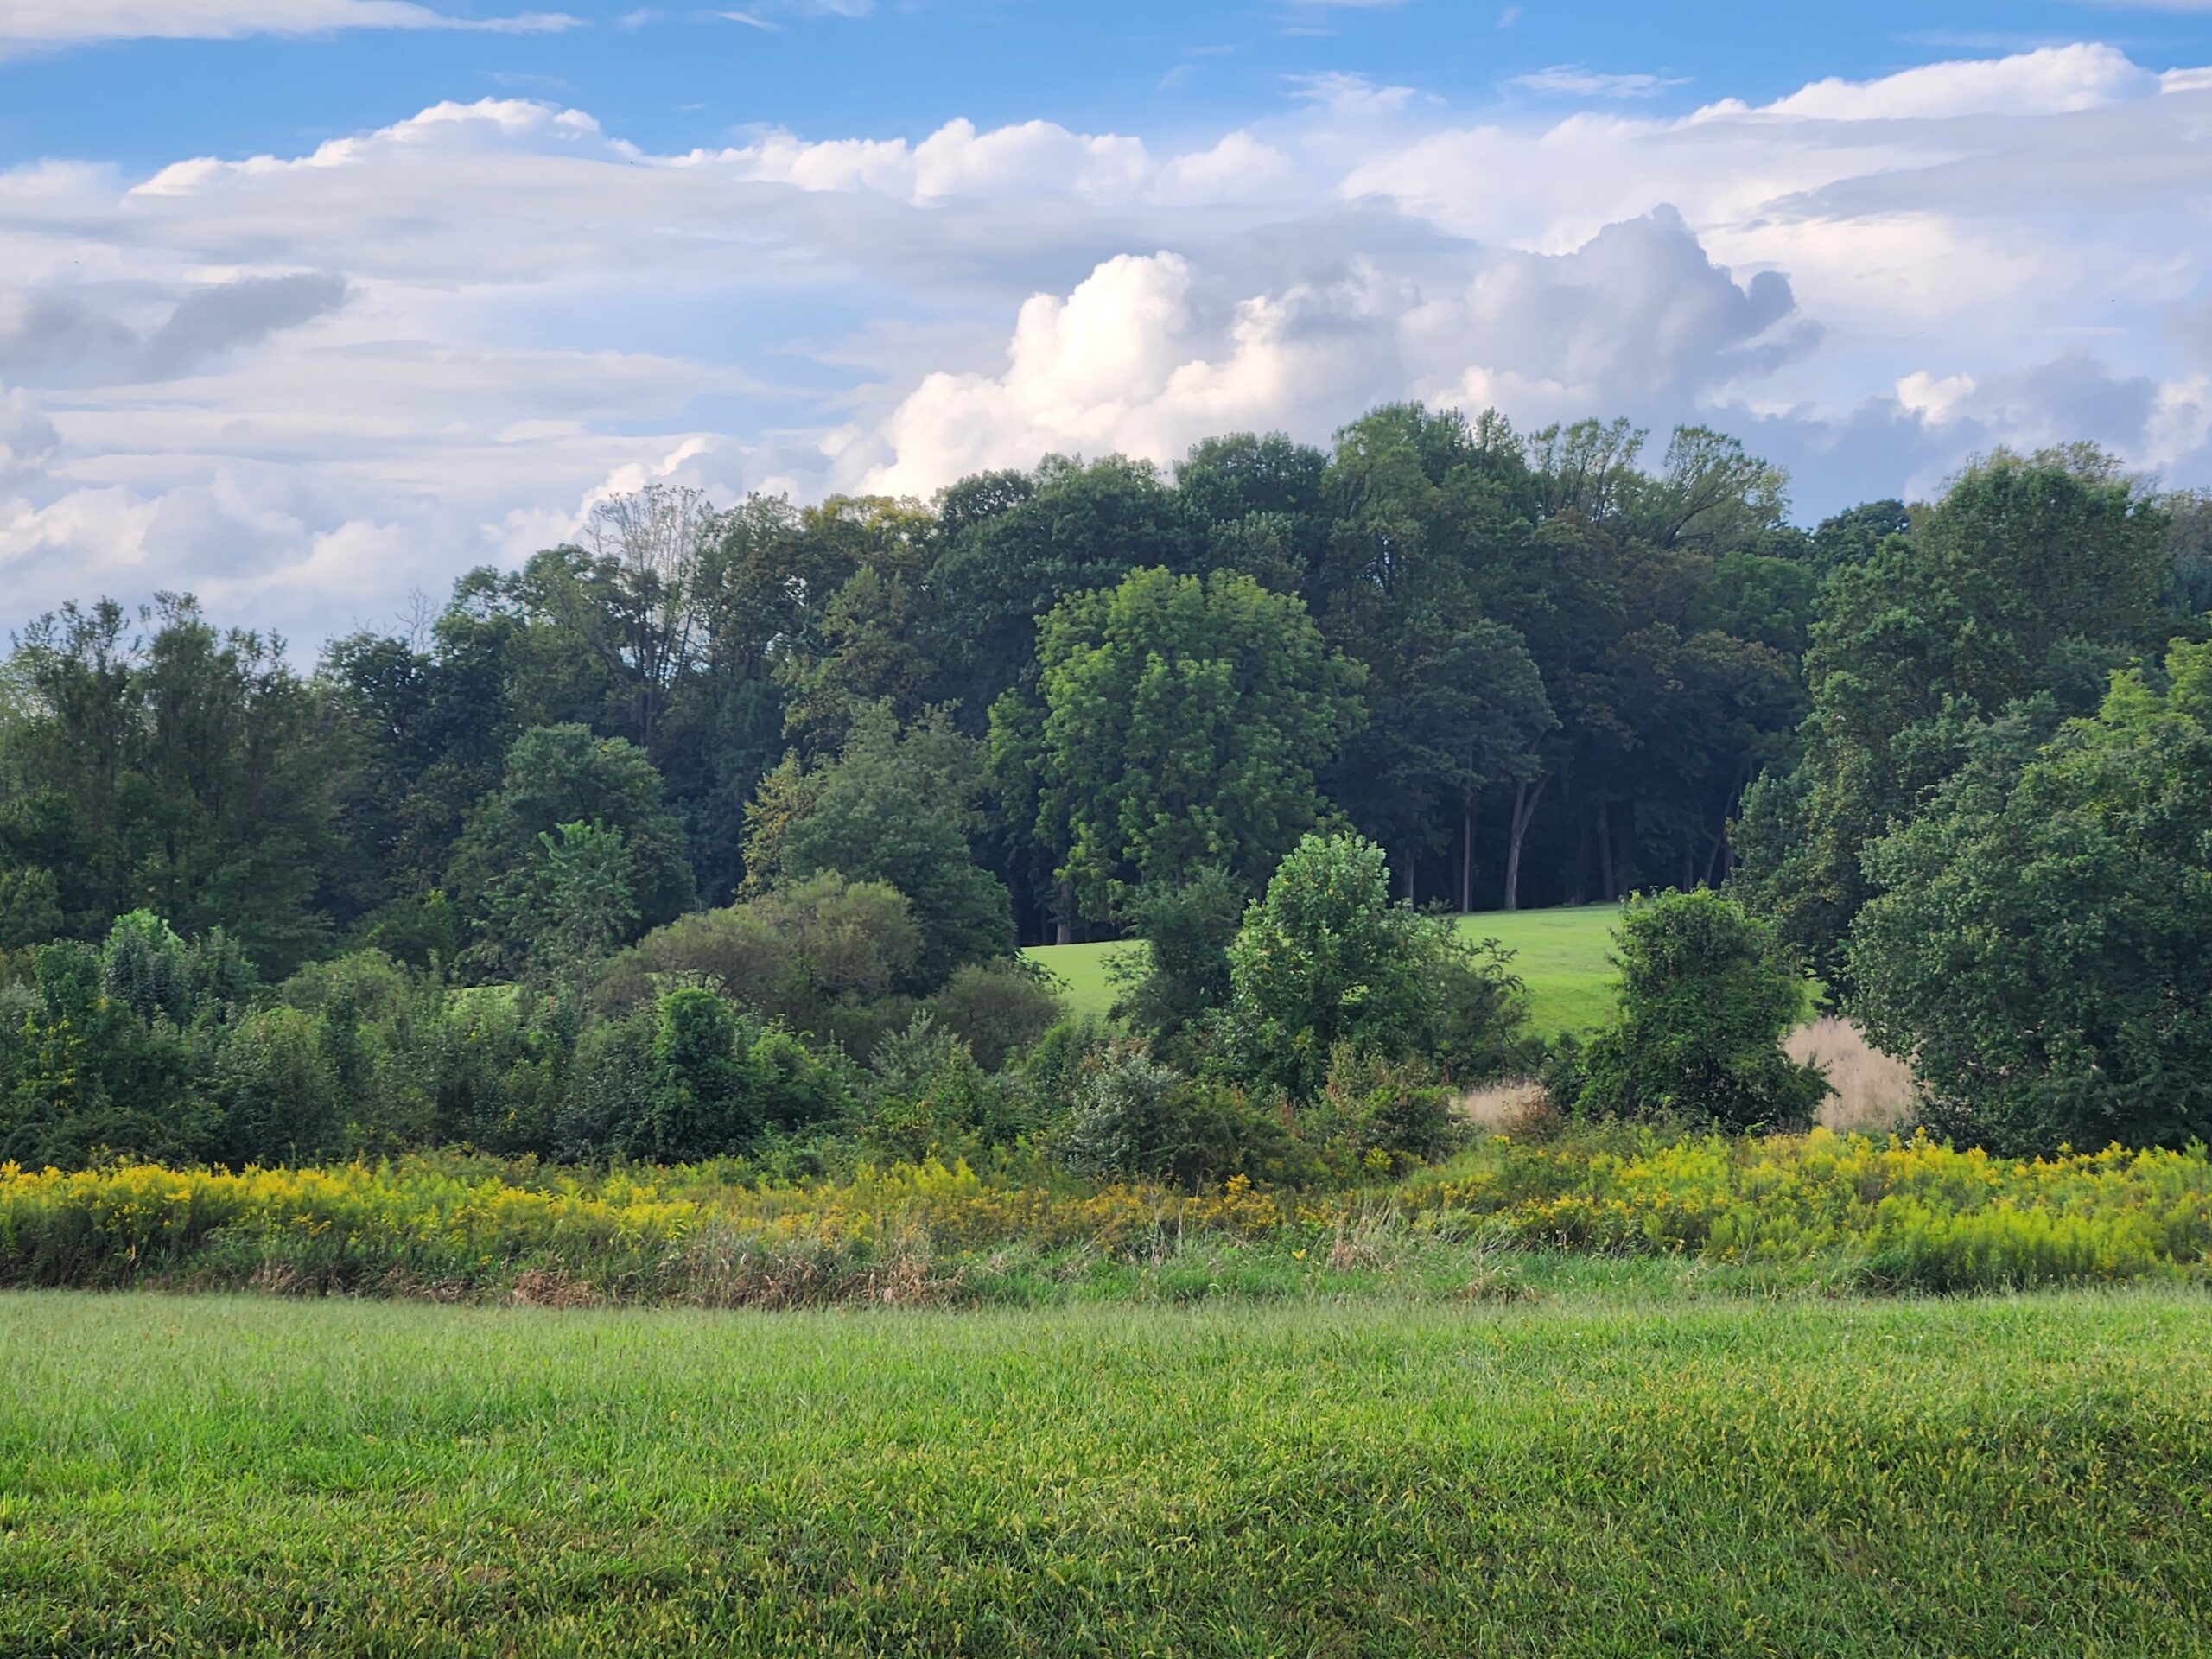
[(1866, 279), (1146, 354), (27, 437), (2049, 81)]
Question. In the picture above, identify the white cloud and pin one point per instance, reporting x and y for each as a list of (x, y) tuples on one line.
[(2047, 81), (1574, 80), (1145, 355), (305, 382), (1349, 95), (64, 22), (27, 437), (1933, 399)]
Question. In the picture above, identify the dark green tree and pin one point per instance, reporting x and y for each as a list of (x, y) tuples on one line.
[(558, 775), (1183, 722), (1326, 961), (2031, 576), (2040, 947)]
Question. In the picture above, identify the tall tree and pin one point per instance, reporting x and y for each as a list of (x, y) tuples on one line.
[(2031, 575), (1180, 722), (188, 770), (2041, 941)]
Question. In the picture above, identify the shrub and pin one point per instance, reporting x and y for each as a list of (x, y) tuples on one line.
[(1325, 959), (1135, 1118), (714, 1083), (928, 1097), (825, 955), (1705, 1004), (996, 1009), (1398, 1109), (1182, 975)]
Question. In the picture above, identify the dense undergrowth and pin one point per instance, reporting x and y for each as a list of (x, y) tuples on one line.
[(1772, 1212)]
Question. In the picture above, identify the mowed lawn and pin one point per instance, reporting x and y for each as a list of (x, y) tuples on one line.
[(2018, 1476), (1564, 954)]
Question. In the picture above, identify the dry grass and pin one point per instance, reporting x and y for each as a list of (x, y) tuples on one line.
[(1873, 1093), (1513, 1107)]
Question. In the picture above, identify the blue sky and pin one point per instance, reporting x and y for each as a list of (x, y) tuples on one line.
[(331, 299), (672, 76)]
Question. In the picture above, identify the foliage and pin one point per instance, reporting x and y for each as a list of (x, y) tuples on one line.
[(2042, 941), (1135, 1118), (999, 1009), (1820, 1209), (561, 775), (1326, 958), (1183, 722), (895, 807), (1705, 1004), (826, 955), (1181, 975), (2031, 577), (187, 770), (715, 1083)]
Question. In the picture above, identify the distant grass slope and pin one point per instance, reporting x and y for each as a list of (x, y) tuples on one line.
[(2024, 1477), (1562, 954)]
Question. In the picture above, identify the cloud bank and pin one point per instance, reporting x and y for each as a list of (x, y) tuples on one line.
[(306, 383)]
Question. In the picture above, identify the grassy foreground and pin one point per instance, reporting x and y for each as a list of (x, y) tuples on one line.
[(1564, 955), (2025, 1476)]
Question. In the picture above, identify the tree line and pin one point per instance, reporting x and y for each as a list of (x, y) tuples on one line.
[(847, 756)]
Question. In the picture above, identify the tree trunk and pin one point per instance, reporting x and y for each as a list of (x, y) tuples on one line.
[(1409, 878), (1605, 854), (1466, 859), (1067, 913), (1524, 813), (1712, 858)]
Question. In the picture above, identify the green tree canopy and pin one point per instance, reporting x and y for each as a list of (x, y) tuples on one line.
[(2041, 946), (1325, 959), (558, 775), (1181, 722), (2030, 575)]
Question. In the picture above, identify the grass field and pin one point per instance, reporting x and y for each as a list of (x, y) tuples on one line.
[(1610, 1476), (1562, 954)]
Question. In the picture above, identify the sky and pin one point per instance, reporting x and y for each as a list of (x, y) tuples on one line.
[(308, 306)]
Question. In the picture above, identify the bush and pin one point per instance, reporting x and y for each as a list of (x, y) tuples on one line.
[(1327, 959), (1705, 1004), (1399, 1110), (928, 1098), (997, 1008), (1182, 975), (825, 955), (714, 1083), (1135, 1118)]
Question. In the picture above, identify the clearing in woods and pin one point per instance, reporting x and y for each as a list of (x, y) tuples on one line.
[(1564, 954)]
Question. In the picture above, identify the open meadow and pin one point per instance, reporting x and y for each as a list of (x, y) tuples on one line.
[(1604, 1474), (1564, 955)]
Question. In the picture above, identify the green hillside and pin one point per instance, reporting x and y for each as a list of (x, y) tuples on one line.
[(1562, 954)]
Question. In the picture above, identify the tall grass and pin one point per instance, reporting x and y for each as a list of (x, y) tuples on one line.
[(1819, 1208), (1874, 1093)]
